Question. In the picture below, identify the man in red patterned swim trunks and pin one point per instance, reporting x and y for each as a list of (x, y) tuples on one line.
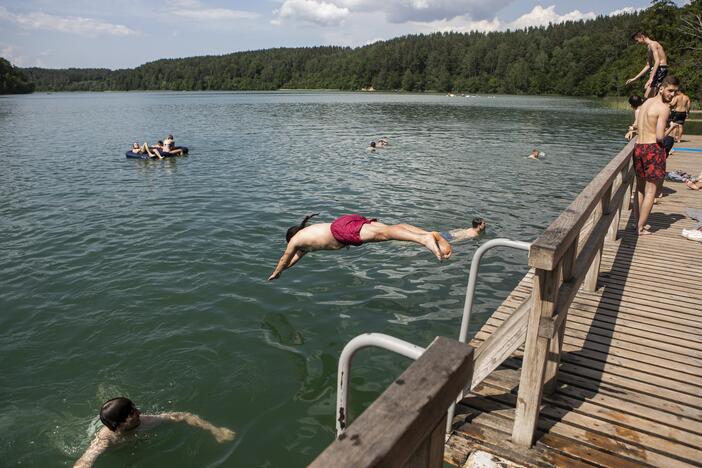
[(353, 229), (649, 153)]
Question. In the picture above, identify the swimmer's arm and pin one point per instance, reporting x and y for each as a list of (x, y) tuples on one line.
[(285, 260), (661, 124), (221, 434), (296, 258), (97, 446)]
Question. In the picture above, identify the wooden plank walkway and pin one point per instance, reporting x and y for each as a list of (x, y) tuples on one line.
[(630, 383)]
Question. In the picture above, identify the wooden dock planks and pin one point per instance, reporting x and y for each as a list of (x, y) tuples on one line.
[(630, 381)]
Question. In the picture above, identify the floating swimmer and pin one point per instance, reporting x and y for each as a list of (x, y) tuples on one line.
[(353, 229), (536, 154), (456, 235), (121, 417)]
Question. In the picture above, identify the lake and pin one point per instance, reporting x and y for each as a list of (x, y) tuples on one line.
[(148, 278)]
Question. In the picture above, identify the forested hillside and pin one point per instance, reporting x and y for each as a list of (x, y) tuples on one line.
[(12, 80), (574, 58)]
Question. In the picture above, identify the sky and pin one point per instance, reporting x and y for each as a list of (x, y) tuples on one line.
[(127, 33)]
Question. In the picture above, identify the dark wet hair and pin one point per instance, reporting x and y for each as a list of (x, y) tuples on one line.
[(160, 142), (372, 143), (637, 34), (115, 411), (294, 230), (635, 100), (670, 80), (477, 222)]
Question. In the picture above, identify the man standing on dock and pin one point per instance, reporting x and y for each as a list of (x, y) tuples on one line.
[(649, 153), (656, 62)]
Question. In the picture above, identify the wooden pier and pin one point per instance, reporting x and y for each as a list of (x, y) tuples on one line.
[(594, 359), (613, 375)]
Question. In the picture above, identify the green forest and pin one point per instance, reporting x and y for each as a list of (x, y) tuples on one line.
[(581, 58), (13, 80)]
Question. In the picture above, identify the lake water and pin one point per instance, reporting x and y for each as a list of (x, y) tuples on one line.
[(148, 278)]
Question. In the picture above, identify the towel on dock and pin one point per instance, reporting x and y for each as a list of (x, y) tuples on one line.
[(695, 214), (679, 176)]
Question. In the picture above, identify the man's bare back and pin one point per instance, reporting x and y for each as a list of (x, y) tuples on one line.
[(652, 121)]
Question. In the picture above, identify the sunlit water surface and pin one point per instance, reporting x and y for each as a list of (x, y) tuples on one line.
[(148, 278)]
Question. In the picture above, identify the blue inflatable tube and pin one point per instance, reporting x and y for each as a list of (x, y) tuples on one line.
[(132, 155)]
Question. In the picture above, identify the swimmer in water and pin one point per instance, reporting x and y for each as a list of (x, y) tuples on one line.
[(371, 147), (534, 154), (456, 235), (121, 417), (349, 230)]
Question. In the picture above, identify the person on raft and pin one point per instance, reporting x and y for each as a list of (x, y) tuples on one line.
[(121, 417), (352, 229)]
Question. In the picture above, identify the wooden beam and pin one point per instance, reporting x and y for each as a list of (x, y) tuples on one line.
[(400, 428), (547, 250), (544, 298), (501, 344)]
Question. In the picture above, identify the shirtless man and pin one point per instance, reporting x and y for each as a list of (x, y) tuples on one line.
[(656, 62), (352, 229), (649, 153), (121, 417), (456, 235), (680, 106)]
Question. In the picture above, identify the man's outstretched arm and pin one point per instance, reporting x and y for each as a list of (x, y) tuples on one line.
[(97, 446), (289, 258), (221, 434), (640, 74)]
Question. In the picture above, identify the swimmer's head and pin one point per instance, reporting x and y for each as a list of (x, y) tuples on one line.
[(635, 101), (479, 224), (118, 411), (135, 145), (295, 229), (372, 144)]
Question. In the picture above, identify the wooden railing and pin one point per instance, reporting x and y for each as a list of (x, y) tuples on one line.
[(405, 425), (565, 256)]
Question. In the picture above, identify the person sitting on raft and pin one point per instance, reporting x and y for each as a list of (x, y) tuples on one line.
[(169, 146), (136, 149), (456, 235), (352, 229), (121, 417)]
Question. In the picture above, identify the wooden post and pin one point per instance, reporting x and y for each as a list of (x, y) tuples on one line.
[(590, 283), (556, 345), (544, 298)]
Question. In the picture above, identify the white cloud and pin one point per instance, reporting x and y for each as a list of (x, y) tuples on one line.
[(66, 24), (197, 11), (538, 16), (16, 58), (313, 11), (625, 11), (541, 16), (333, 12)]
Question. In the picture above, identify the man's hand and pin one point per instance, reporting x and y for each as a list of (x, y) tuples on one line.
[(630, 80)]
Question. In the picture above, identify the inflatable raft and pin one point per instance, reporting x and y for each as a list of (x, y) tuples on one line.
[(131, 155)]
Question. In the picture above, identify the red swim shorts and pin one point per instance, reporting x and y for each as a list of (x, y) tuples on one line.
[(347, 229), (649, 161)]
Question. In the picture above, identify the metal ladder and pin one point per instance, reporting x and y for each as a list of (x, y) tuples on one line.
[(404, 348)]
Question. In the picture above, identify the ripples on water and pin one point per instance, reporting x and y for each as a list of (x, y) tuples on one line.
[(147, 278)]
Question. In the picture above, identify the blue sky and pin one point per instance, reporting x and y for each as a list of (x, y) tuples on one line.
[(126, 33)]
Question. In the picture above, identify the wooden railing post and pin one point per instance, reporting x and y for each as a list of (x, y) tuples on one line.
[(590, 283), (614, 227), (556, 345), (536, 348)]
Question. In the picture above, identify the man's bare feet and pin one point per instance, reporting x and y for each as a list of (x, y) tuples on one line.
[(644, 232), (432, 244), (691, 185), (444, 246)]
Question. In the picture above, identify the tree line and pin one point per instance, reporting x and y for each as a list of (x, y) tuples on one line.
[(12, 80), (576, 58)]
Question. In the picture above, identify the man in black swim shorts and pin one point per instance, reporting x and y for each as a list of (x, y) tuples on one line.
[(656, 63)]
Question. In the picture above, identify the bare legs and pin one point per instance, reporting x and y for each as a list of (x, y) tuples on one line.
[(378, 232), (646, 196)]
